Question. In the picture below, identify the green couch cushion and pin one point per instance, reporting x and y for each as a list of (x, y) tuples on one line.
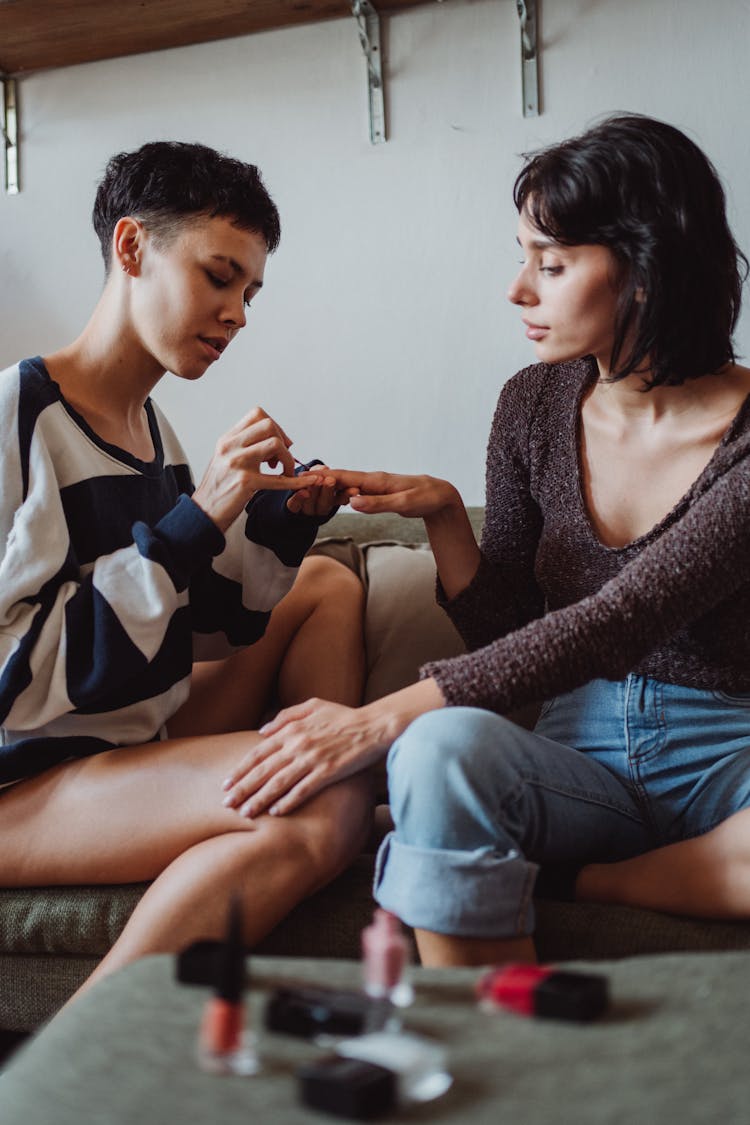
[(82, 920)]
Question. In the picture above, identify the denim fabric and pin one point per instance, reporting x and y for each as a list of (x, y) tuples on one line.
[(611, 770)]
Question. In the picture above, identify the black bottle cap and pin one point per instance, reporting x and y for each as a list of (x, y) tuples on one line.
[(230, 961), (347, 1087), (571, 996), (198, 963), (308, 1011)]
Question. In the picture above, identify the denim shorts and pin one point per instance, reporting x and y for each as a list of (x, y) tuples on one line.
[(611, 770)]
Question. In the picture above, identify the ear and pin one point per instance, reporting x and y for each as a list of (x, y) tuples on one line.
[(128, 240)]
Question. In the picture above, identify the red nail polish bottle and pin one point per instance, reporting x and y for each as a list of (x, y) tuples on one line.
[(541, 990)]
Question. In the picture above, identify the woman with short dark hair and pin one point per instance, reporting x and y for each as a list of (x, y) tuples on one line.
[(144, 621), (611, 586)]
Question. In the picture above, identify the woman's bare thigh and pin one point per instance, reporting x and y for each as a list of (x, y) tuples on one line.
[(123, 815)]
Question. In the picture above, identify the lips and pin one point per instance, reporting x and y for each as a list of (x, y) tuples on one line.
[(535, 331), (214, 344)]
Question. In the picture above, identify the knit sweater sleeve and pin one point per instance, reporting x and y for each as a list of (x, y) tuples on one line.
[(698, 562), (503, 594)]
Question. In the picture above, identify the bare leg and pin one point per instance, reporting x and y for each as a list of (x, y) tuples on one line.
[(442, 950), (155, 812), (272, 869), (707, 876), (313, 647)]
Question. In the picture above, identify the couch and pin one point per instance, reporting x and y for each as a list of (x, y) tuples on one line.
[(51, 938)]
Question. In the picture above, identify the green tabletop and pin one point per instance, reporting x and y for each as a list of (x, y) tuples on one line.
[(674, 1048)]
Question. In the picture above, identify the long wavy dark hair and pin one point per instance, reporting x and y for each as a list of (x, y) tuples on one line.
[(646, 191)]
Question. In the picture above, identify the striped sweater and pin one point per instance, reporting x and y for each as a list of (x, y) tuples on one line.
[(113, 581)]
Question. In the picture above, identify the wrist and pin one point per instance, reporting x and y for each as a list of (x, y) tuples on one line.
[(450, 508), (390, 716)]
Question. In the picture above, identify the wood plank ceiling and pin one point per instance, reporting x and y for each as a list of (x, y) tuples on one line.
[(39, 34)]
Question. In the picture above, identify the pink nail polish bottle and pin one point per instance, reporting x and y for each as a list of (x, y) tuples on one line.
[(225, 1046), (385, 951)]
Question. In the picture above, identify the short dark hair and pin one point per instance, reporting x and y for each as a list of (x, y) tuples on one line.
[(165, 183), (646, 191)]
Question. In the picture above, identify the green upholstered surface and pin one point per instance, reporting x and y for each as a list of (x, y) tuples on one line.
[(387, 527), (673, 1048), (85, 920)]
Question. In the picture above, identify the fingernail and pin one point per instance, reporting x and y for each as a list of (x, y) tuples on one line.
[(264, 728), (245, 810), (226, 783), (274, 810), (227, 802)]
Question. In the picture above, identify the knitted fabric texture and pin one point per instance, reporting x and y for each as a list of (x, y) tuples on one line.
[(551, 607)]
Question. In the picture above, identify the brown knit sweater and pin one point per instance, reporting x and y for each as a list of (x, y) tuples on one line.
[(551, 608)]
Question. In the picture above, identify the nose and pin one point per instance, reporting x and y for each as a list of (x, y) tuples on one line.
[(521, 291), (234, 315)]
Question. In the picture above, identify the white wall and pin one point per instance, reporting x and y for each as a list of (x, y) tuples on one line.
[(383, 334)]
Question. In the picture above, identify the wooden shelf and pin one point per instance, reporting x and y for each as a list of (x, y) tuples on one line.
[(39, 34)]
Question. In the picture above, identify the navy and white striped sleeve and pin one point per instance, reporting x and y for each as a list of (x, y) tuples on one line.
[(232, 601), (72, 637)]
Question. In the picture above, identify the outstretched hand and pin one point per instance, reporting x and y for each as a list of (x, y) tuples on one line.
[(304, 749), (420, 496)]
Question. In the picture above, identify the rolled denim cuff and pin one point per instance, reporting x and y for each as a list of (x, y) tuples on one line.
[(466, 894)]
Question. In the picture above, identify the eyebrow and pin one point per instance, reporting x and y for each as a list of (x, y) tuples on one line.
[(542, 244), (237, 268)]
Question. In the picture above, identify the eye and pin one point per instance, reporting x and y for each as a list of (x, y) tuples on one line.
[(551, 271), (216, 281)]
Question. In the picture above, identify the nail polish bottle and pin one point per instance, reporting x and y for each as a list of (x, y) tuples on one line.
[(541, 990), (225, 1046), (385, 951)]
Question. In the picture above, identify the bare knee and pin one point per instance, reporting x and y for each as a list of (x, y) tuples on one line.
[(329, 831), (323, 580)]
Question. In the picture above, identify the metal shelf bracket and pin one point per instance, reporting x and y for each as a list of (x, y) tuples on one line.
[(527, 14), (10, 134), (368, 26)]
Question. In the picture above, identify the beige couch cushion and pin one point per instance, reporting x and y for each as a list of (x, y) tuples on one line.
[(404, 626)]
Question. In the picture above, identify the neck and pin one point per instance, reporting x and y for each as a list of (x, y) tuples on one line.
[(107, 367), (717, 396), (628, 397)]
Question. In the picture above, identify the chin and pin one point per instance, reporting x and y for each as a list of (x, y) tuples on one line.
[(549, 353), (191, 372)]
